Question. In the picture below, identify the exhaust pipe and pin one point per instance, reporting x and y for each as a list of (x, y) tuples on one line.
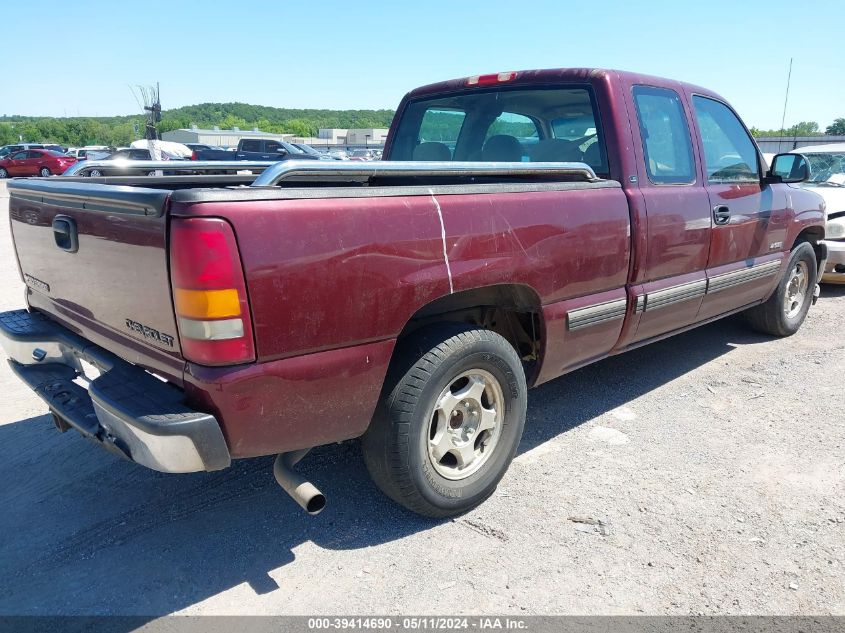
[(303, 492)]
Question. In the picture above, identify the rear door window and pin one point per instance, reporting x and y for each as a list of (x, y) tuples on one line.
[(665, 136), (250, 146)]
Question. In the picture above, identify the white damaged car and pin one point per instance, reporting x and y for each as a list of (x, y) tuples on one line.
[(827, 178)]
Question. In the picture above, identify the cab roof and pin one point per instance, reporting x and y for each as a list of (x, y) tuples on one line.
[(552, 76)]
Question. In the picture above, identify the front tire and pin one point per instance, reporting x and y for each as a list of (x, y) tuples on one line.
[(449, 422), (784, 312)]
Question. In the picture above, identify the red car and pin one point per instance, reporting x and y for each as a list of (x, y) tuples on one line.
[(35, 162)]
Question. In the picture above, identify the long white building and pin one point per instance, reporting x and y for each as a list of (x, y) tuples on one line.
[(328, 137)]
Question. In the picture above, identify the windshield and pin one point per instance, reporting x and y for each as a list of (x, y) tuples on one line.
[(308, 149), (827, 168)]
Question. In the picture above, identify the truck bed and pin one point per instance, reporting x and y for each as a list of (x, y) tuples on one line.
[(383, 240)]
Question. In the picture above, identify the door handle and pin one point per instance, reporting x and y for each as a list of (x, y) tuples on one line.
[(721, 214), (64, 233)]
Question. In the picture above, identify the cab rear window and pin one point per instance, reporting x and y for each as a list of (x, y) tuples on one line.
[(504, 125)]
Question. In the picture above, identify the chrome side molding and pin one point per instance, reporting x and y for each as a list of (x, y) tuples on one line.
[(610, 310), (737, 277), (675, 294), (595, 314)]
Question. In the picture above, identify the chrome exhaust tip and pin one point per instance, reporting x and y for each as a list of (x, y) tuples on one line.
[(301, 490)]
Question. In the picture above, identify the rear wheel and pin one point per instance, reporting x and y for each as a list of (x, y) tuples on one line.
[(3, 173), (784, 312), (43, 172), (95, 173), (449, 422)]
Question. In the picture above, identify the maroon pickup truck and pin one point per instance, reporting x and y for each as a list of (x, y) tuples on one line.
[(522, 225)]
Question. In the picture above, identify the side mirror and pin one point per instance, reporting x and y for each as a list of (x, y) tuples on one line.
[(788, 168), (281, 151)]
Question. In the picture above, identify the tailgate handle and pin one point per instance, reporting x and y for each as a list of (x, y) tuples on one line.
[(64, 232)]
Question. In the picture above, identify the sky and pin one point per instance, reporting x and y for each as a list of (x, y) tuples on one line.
[(358, 54)]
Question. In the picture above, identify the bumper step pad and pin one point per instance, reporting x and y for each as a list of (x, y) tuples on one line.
[(126, 409)]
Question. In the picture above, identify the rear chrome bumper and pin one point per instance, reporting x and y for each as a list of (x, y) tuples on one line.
[(125, 409)]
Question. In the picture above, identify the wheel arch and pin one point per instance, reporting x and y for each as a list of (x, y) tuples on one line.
[(813, 235), (512, 310)]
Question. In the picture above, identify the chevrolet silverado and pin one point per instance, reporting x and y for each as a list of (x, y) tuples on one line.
[(522, 225)]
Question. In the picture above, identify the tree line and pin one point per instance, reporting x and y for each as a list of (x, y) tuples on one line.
[(804, 128), (122, 130)]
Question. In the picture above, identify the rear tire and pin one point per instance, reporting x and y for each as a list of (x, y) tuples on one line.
[(3, 173), (43, 172), (95, 173), (449, 421), (784, 312)]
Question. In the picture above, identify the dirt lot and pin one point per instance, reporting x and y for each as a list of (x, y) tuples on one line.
[(715, 462)]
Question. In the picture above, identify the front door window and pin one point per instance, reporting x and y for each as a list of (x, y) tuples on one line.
[(729, 152)]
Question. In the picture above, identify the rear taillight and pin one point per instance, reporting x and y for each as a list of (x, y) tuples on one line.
[(209, 292), (194, 155)]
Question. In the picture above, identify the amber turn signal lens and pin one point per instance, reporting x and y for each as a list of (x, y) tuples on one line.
[(207, 304)]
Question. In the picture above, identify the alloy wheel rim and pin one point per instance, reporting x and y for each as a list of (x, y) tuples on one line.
[(466, 424), (796, 289)]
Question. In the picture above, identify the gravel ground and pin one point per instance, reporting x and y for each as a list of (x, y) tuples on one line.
[(702, 474)]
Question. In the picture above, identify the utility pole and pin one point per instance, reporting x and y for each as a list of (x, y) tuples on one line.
[(154, 108)]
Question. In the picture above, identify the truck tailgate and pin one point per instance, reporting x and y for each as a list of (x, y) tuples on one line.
[(94, 257)]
